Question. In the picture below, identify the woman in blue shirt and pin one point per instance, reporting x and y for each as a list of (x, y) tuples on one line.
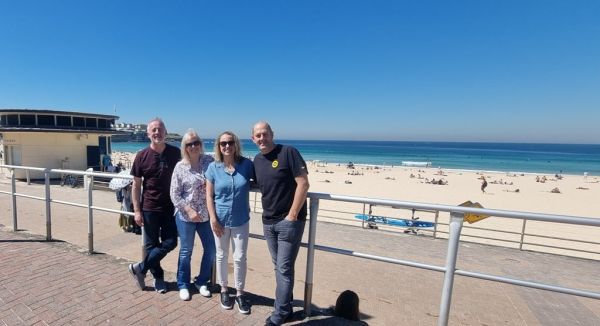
[(227, 199)]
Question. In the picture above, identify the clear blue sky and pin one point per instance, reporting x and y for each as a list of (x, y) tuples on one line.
[(480, 70)]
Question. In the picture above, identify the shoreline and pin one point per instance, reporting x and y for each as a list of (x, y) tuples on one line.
[(129, 156), (502, 157)]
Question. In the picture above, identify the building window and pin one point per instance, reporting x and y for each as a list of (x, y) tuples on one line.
[(45, 120), (27, 120), (91, 123), (103, 123), (63, 121), (78, 122), (3, 120), (12, 120)]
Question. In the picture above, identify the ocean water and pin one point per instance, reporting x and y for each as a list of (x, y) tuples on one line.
[(505, 157)]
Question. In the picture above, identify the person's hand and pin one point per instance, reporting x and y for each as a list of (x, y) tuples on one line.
[(291, 219), (139, 219), (216, 227), (193, 215)]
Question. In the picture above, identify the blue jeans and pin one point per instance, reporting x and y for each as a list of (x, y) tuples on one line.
[(187, 233), (160, 237), (283, 239)]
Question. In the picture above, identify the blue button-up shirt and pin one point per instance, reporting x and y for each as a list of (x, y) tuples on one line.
[(232, 192)]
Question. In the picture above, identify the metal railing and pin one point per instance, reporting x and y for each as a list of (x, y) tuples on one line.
[(449, 269), (523, 238), (88, 182)]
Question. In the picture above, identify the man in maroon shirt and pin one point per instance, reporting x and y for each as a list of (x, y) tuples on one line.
[(153, 209)]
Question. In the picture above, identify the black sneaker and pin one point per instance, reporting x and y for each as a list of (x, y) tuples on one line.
[(226, 301), (243, 305), (268, 322), (289, 318)]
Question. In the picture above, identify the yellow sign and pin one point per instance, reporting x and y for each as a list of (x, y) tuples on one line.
[(470, 217), (275, 164)]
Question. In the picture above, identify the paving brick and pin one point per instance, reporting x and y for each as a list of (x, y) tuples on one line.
[(59, 283)]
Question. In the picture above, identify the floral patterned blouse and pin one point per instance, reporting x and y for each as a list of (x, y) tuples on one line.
[(188, 187)]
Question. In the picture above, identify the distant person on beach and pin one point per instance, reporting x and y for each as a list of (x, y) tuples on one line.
[(282, 177), (483, 184), (152, 168), (188, 193), (228, 194)]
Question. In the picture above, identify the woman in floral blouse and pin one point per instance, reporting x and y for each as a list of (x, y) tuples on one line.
[(188, 193)]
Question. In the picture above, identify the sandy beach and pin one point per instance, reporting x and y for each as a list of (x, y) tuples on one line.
[(506, 191), (415, 300)]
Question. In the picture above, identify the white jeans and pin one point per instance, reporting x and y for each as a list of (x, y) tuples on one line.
[(238, 237)]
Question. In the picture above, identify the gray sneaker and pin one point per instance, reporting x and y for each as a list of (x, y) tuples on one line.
[(138, 277), (159, 285)]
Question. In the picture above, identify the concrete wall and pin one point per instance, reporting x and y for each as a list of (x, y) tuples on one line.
[(48, 150)]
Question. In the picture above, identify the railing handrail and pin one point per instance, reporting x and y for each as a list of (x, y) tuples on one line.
[(69, 171), (569, 219)]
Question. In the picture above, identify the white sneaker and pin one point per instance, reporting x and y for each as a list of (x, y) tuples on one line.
[(204, 291), (184, 294)]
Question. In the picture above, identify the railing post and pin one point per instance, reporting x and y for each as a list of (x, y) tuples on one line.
[(90, 189), (435, 226), (310, 255), (48, 211), (456, 222), (28, 177), (13, 182), (88, 180), (522, 234)]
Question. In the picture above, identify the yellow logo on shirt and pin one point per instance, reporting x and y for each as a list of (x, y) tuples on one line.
[(275, 164)]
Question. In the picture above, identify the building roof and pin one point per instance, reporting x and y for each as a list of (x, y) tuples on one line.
[(63, 129), (57, 121), (36, 111)]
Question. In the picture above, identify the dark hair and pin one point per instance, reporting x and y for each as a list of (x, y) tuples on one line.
[(346, 305)]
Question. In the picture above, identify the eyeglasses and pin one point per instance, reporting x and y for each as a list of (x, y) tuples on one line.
[(195, 143), (225, 143)]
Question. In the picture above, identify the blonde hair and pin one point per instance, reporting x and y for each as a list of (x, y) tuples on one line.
[(238, 147), (190, 134)]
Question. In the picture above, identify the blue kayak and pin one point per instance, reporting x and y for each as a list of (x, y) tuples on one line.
[(394, 221)]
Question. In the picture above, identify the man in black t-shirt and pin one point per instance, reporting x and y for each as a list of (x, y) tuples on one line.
[(282, 178), (153, 167)]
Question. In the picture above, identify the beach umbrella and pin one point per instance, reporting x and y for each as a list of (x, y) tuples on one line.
[(119, 183)]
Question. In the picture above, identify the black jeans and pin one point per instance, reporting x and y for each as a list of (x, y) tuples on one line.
[(160, 237)]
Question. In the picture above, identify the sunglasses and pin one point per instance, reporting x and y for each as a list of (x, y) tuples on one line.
[(225, 143), (194, 143)]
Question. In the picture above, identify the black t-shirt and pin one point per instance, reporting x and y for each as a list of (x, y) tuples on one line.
[(275, 173), (156, 170)]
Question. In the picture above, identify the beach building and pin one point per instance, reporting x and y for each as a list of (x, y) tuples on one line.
[(131, 132), (54, 139)]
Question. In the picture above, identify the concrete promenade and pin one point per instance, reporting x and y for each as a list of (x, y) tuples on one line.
[(57, 283)]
